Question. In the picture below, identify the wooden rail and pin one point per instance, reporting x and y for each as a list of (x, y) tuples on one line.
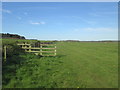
[(51, 51)]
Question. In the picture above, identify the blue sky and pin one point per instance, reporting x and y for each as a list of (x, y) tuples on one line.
[(61, 20)]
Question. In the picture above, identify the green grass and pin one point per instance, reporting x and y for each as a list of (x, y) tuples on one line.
[(77, 65), (94, 63)]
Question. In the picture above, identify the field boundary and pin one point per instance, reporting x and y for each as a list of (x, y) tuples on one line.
[(39, 50)]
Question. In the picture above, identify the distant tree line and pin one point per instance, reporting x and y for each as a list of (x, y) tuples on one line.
[(88, 41), (12, 36)]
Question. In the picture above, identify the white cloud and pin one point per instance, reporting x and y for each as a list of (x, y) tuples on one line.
[(96, 29), (37, 23), (99, 29), (6, 11)]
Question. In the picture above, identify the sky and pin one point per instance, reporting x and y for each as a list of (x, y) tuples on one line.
[(60, 0), (84, 21)]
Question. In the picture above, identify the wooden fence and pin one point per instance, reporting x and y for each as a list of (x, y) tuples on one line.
[(41, 49)]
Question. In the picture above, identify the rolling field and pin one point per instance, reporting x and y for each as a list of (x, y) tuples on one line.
[(77, 65), (94, 64)]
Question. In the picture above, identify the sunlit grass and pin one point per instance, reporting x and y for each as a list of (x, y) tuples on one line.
[(77, 65)]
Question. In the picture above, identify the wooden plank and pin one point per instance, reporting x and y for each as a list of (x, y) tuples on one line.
[(42, 51), (48, 48), (44, 55), (36, 53), (48, 55), (47, 44), (30, 48), (36, 48), (40, 44), (48, 51), (23, 44)]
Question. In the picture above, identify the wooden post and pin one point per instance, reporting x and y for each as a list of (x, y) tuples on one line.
[(25, 46), (5, 51), (40, 49), (55, 50), (30, 48)]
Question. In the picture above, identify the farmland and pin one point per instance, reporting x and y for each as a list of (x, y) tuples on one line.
[(77, 65)]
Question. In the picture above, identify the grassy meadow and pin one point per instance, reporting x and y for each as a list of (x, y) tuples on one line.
[(77, 65)]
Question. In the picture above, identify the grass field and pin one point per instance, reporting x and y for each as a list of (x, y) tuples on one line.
[(77, 65)]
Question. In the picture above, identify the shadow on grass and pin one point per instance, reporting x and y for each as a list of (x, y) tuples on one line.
[(12, 63), (9, 68), (60, 56)]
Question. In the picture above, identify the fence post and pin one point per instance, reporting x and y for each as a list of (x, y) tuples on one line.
[(55, 50), (40, 49), (5, 51), (29, 47)]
